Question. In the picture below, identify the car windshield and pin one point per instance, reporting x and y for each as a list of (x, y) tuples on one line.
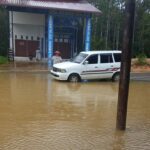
[(79, 58)]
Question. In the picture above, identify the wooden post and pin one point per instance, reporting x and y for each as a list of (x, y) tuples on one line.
[(125, 65)]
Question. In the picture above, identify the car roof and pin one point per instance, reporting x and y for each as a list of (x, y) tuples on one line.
[(101, 51)]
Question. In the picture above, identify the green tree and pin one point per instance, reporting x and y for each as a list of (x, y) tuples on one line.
[(4, 32), (142, 28), (107, 30), (107, 26)]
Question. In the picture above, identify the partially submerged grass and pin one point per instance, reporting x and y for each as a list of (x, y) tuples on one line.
[(3, 60)]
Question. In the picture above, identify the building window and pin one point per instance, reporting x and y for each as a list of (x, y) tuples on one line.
[(26, 37), (15, 36), (56, 40), (60, 40), (22, 37), (66, 36), (38, 38), (66, 40), (32, 38)]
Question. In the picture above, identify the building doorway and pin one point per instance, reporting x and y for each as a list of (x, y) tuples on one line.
[(26, 48), (63, 44)]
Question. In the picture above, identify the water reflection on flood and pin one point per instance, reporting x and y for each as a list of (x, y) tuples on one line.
[(37, 113)]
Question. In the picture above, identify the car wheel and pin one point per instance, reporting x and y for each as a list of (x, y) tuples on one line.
[(74, 78), (116, 77)]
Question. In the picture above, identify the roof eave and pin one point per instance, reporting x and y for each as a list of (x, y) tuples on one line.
[(94, 11)]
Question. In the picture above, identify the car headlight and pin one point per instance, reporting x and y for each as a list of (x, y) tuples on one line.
[(62, 70)]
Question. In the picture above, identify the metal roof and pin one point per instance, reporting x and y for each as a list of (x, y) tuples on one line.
[(68, 5)]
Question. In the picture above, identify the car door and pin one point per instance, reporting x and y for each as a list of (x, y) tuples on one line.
[(106, 65), (91, 67)]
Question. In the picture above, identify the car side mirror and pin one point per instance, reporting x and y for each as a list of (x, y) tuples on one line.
[(86, 62)]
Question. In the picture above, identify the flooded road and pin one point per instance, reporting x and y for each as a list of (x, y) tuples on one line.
[(38, 113)]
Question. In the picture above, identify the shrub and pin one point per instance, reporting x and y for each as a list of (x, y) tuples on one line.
[(141, 59), (3, 60)]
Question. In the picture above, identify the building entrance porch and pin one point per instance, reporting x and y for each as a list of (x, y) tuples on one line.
[(66, 33)]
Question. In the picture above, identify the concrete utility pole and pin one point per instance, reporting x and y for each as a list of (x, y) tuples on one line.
[(125, 65)]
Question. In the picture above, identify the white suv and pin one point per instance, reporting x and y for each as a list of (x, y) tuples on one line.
[(89, 65)]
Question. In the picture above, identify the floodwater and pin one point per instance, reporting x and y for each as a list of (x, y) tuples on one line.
[(38, 113)]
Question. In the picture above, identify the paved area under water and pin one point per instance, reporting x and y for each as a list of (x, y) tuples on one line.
[(38, 113)]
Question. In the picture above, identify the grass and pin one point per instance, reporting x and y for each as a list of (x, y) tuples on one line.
[(3, 60)]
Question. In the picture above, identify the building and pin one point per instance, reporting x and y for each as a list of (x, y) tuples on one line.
[(49, 25)]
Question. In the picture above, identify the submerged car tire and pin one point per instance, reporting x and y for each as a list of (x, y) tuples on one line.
[(116, 77), (74, 78)]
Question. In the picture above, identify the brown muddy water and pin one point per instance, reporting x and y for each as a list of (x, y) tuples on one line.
[(38, 113)]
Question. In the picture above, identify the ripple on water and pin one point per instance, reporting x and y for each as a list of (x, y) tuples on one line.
[(37, 113)]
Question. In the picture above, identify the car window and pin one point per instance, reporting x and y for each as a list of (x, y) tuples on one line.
[(117, 57), (93, 59), (106, 58)]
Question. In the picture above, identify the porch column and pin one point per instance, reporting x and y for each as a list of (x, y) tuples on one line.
[(88, 34), (50, 39), (11, 42)]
